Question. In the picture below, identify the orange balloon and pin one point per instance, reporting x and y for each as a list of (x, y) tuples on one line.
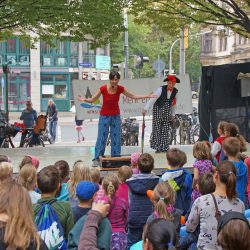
[(150, 194), (183, 221)]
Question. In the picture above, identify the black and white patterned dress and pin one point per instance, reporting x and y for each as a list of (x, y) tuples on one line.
[(160, 136)]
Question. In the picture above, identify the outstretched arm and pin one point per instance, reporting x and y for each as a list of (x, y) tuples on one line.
[(132, 96), (90, 100)]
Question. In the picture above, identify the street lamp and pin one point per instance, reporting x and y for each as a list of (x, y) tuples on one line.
[(171, 48), (6, 71)]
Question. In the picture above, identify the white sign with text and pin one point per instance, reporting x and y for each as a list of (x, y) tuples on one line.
[(128, 106)]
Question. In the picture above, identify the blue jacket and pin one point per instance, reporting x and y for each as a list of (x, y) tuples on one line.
[(29, 118), (64, 193), (140, 206), (241, 181), (181, 181)]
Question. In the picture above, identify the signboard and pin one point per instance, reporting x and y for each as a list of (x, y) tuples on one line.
[(129, 107), (85, 65), (103, 62)]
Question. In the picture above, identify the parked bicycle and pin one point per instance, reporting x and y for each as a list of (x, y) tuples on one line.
[(10, 131), (129, 133), (184, 128)]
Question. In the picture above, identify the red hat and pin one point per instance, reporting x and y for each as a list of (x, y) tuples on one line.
[(171, 78)]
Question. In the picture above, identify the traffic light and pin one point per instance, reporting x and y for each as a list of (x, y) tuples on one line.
[(139, 60)]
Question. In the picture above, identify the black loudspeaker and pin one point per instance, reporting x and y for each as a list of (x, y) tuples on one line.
[(245, 87)]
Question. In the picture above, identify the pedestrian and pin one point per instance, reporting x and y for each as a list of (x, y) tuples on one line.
[(163, 112), (29, 117), (110, 115), (79, 127), (52, 116)]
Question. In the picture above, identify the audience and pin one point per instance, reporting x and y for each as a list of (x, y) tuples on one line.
[(48, 181), (140, 206), (217, 145), (6, 171), (80, 172), (17, 229), (203, 164), (28, 179), (234, 231), (131, 208), (85, 192), (63, 168), (163, 199), (179, 179), (231, 147), (207, 209), (30, 159)]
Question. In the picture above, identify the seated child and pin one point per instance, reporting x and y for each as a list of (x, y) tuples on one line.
[(48, 181), (85, 192), (163, 198), (140, 206), (134, 162), (205, 186), (231, 147), (96, 177), (28, 179), (6, 171), (63, 168), (30, 159), (179, 179)]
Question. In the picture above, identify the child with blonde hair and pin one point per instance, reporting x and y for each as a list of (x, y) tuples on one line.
[(80, 172), (163, 198), (28, 179), (118, 212), (124, 173), (6, 171), (202, 164)]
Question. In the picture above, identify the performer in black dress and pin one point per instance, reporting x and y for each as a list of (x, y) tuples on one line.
[(163, 112)]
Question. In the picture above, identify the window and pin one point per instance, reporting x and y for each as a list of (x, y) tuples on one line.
[(60, 91), (207, 43), (61, 78), (74, 48), (23, 48), (222, 42), (46, 48), (11, 45), (47, 78), (61, 48), (47, 91)]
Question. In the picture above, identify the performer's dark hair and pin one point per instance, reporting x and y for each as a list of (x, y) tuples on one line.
[(146, 163), (113, 75)]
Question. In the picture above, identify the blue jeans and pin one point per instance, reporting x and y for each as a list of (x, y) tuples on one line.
[(134, 235), (52, 130), (106, 124)]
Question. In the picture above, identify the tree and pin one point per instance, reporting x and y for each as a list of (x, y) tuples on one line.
[(99, 20), (171, 14), (151, 42)]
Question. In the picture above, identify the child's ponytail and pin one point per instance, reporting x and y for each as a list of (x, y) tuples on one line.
[(164, 198), (110, 185), (227, 174)]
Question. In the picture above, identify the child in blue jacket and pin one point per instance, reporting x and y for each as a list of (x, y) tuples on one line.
[(140, 206)]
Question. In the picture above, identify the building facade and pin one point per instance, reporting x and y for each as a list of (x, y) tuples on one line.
[(47, 71), (220, 45)]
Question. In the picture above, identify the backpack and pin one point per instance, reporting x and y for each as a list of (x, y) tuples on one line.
[(49, 227)]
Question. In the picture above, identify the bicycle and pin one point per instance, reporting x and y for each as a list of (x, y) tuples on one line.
[(10, 131), (33, 139)]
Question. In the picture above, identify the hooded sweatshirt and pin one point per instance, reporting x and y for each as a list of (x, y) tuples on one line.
[(181, 181), (140, 206), (241, 181)]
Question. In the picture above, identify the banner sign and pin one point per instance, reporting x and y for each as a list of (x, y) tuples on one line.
[(129, 107)]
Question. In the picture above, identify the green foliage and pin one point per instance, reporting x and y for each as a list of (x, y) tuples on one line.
[(151, 41), (98, 20), (169, 15)]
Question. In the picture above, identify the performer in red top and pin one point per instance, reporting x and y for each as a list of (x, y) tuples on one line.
[(163, 112), (110, 115)]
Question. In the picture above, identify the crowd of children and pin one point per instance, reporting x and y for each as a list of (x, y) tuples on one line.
[(133, 208)]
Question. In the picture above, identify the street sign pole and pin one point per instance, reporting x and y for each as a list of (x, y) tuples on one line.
[(6, 88)]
